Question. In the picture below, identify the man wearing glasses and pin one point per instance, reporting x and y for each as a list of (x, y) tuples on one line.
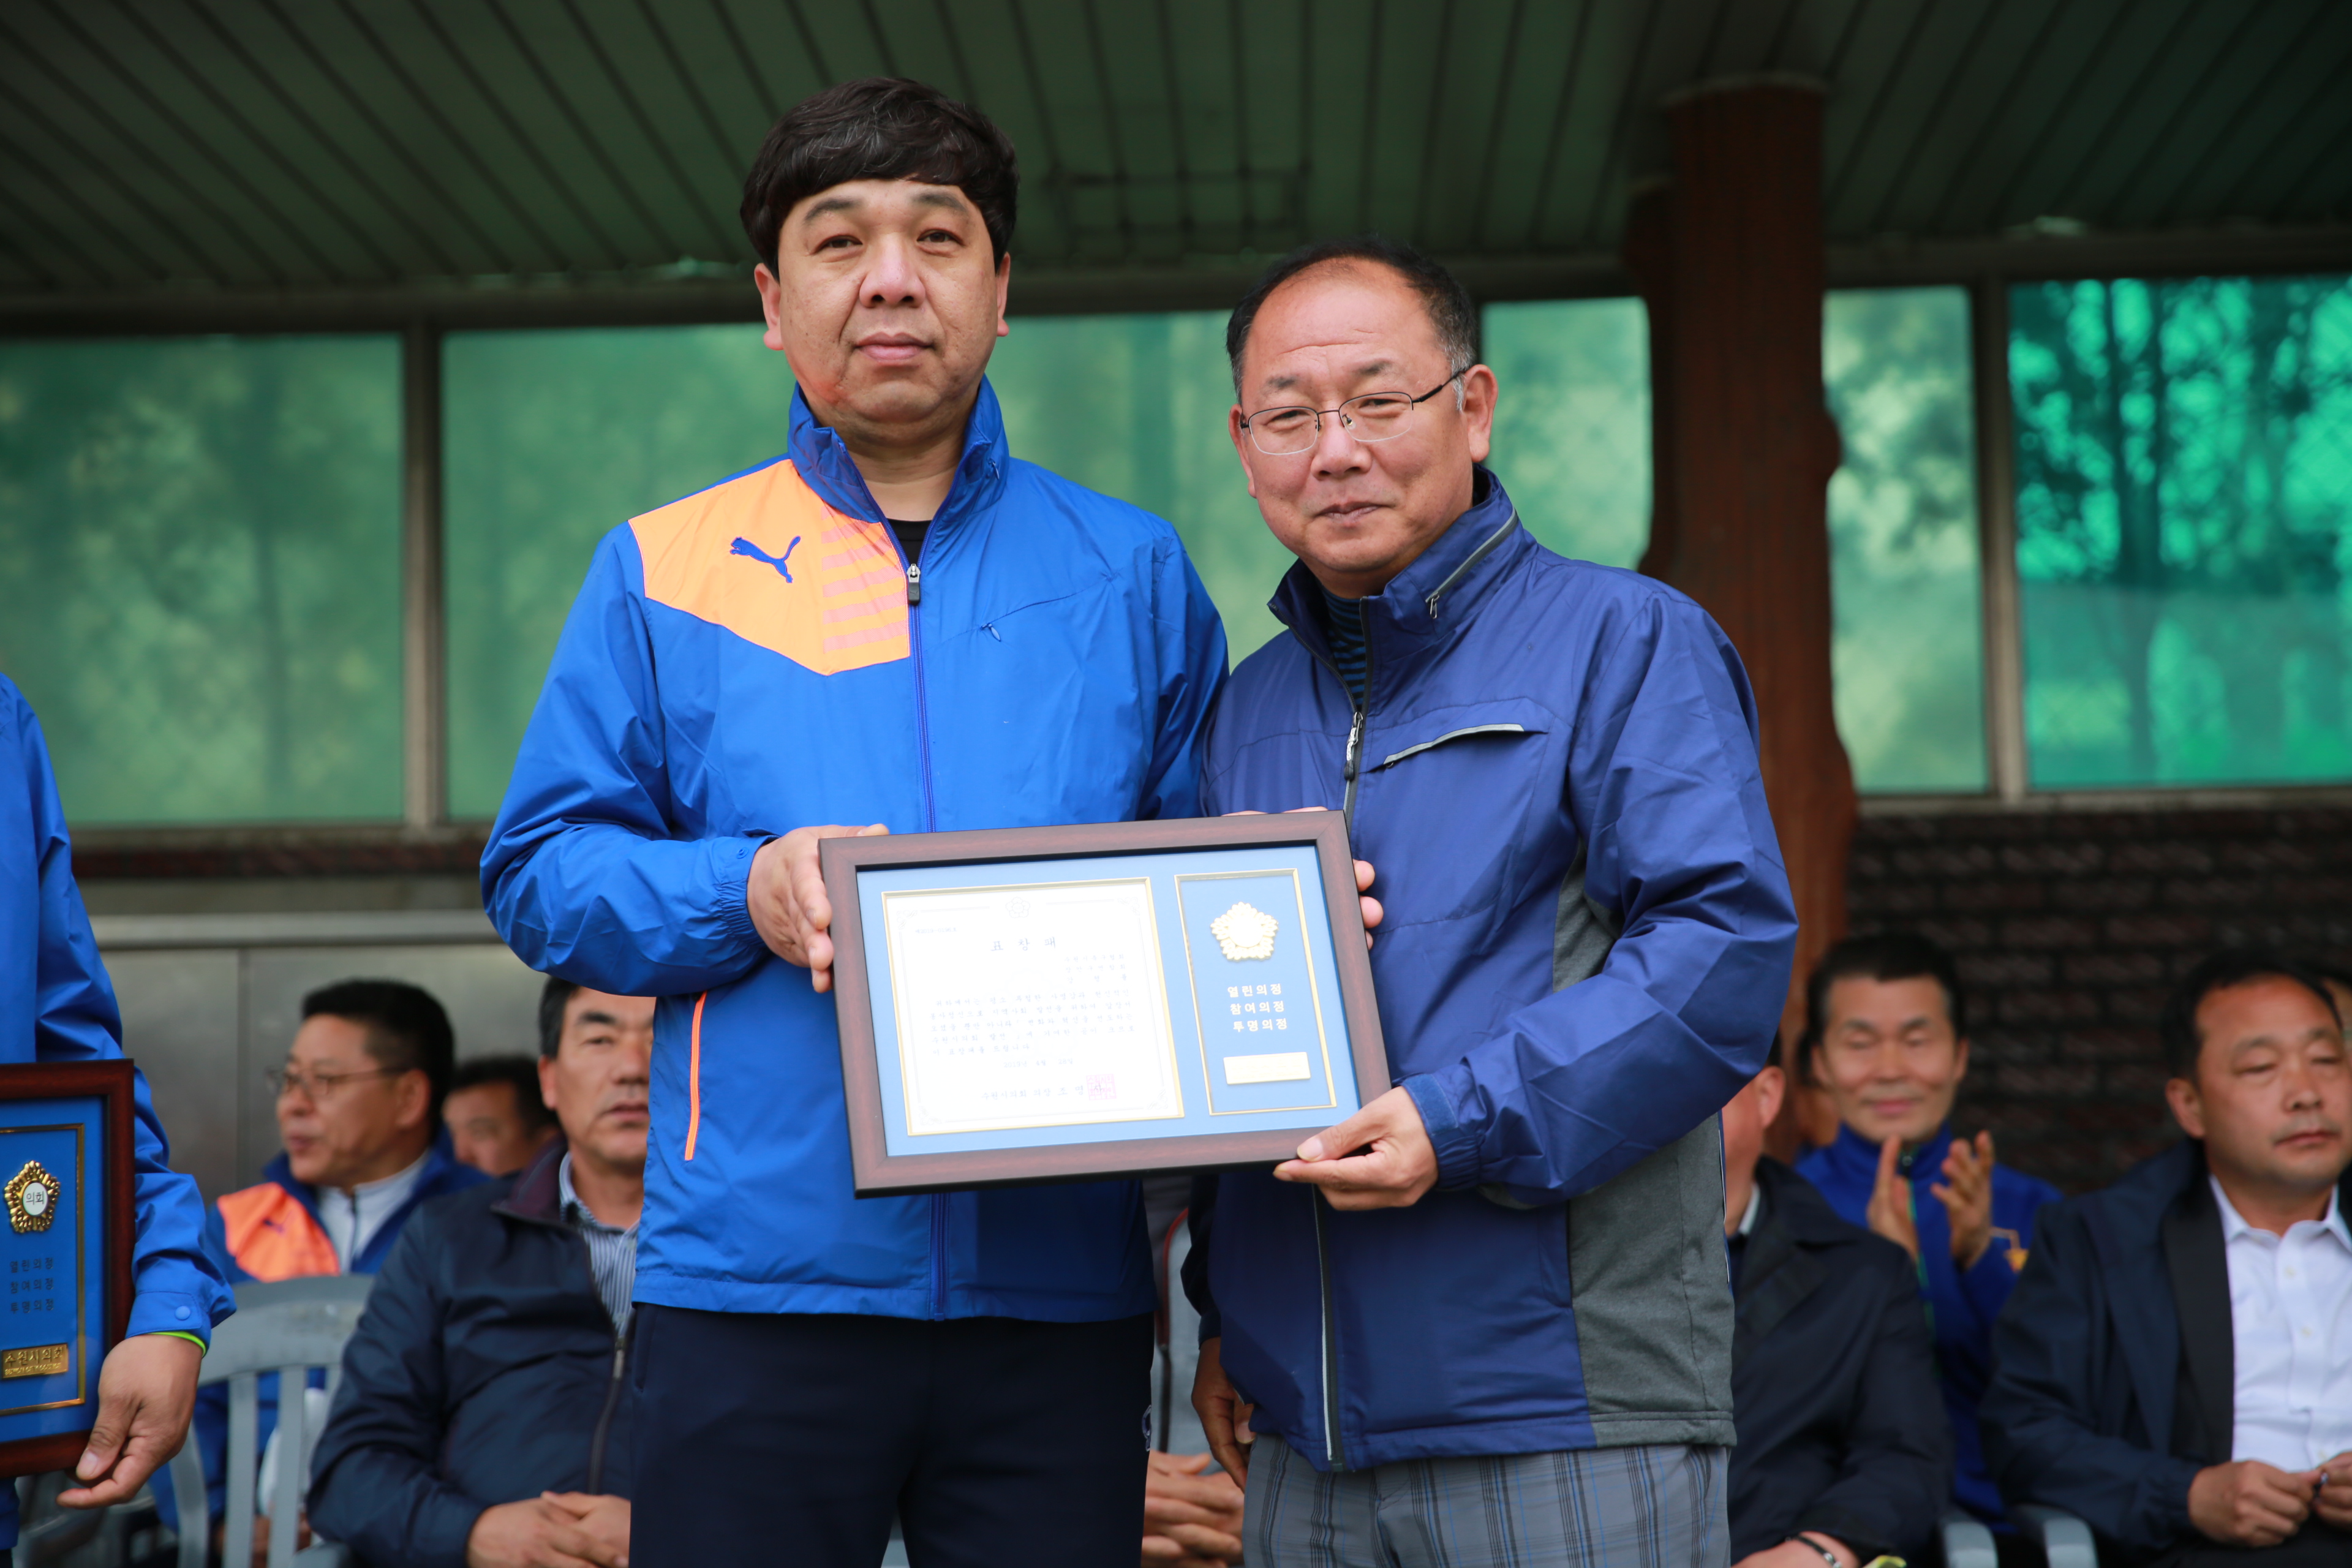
[(358, 1112), (1501, 1334)]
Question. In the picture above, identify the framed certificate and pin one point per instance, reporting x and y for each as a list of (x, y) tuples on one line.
[(65, 1252), (1063, 1004)]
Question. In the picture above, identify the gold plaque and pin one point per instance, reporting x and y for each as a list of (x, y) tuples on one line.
[(33, 1198), (36, 1361)]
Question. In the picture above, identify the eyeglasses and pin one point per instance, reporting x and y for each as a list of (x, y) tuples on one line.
[(318, 1087), (1372, 417)]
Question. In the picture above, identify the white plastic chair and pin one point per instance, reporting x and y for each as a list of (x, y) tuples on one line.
[(2066, 1542), (287, 1327), (1967, 1543)]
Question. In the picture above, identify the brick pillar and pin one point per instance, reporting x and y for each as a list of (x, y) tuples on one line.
[(1728, 256)]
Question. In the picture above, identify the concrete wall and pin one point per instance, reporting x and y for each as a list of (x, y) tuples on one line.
[(209, 1001), (2072, 927)]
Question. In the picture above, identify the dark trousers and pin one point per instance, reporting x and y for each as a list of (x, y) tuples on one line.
[(792, 1438)]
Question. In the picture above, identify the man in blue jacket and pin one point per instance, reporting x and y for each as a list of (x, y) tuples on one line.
[(1886, 1036), (1486, 1318), (2176, 1366), (900, 625), (57, 1005), (485, 1413)]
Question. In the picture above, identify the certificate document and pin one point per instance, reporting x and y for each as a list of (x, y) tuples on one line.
[(1040, 1004)]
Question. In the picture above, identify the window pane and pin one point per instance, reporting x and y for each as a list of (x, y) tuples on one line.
[(551, 438), (200, 558), (1135, 407), (2184, 500), (1572, 422), (1908, 651)]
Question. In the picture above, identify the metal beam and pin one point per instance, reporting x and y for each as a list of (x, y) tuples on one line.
[(425, 790), (2004, 638)]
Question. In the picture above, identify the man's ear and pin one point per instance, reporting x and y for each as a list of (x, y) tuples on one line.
[(547, 1081), (415, 1089), (1960, 1059), (772, 305), (1771, 1088), (1003, 293), (2187, 1106), (1478, 395)]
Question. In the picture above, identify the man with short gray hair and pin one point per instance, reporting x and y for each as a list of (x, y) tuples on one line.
[(1502, 1333)]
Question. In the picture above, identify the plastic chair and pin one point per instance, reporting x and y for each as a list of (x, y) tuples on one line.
[(287, 1327), (1967, 1543), (1175, 1425), (2065, 1540)]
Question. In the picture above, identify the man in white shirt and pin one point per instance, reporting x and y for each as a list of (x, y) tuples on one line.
[(2176, 1366)]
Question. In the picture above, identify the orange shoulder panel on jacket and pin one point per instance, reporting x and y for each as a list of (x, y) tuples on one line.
[(272, 1236), (765, 557)]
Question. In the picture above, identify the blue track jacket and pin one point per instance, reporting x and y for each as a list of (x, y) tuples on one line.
[(1586, 946), (57, 1005), (1960, 1307), (760, 657)]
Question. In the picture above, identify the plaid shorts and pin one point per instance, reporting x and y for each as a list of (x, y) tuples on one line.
[(1656, 1507)]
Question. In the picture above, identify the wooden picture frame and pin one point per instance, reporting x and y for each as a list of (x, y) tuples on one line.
[(879, 1170), (63, 1425)]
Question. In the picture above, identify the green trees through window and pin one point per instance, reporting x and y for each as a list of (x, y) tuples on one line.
[(200, 573), (2184, 519)]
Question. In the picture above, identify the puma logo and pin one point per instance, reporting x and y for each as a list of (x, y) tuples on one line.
[(745, 547)]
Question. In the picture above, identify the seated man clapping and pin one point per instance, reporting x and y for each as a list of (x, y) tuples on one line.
[(485, 1410)]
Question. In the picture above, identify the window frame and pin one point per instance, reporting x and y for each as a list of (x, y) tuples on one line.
[(425, 837)]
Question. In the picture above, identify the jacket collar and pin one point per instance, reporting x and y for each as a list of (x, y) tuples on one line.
[(1855, 1158), (1783, 1266), (441, 1173), (1426, 605), (537, 1195), (823, 459)]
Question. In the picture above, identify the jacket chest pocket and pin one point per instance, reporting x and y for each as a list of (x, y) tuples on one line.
[(1477, 787)]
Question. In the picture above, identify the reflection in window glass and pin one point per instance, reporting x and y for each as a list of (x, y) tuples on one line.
[(200, 562), (1135, 407), (2184, 520), (551, 439), (1908, 651), (1572, 422)]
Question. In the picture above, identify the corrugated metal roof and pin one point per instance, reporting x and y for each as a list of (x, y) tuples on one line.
[(307, 144)]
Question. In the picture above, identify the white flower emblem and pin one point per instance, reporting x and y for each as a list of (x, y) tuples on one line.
[(1244, 932)]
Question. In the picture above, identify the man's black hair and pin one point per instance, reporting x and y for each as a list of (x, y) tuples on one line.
[(1889, 956), (553, 998), (1442, 294), (519, 1074), (2175, 1027), (881, 128), (407, 1031)]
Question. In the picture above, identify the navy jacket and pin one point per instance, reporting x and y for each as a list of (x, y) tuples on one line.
[(1840, 1427), (1961, 1306), (1586, 948), (486, 1371), (270, 1231), (2112, 1381)]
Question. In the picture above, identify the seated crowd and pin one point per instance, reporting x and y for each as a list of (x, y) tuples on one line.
[(1918, 1328)]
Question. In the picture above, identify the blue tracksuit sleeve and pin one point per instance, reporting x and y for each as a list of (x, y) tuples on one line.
[(583, 874), (2039, 1415), (1192, 664), (1665, 789), (374, 1484), (175, 1284)]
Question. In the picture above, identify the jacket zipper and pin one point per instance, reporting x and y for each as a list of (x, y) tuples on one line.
[(1334, 1453), (604, 1417), (930, 824)]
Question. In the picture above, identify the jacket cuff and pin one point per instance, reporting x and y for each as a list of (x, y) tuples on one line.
[(730, 877), (442, 1523), (166, 1312), (1456, 1144)]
